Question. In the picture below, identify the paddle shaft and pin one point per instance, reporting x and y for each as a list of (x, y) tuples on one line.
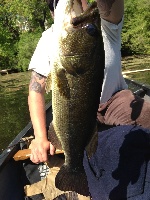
[(25, 154)]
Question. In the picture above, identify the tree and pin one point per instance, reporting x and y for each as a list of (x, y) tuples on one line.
[(26, 47), (35, 12), (136, 29), (22, 20), (9, 36), (17, 17)]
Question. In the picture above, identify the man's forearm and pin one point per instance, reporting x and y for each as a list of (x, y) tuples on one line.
[(36, 103), (111, 10), (37, 114), (40, 145)]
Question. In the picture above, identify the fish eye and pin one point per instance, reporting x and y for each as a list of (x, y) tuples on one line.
[(91, 29)]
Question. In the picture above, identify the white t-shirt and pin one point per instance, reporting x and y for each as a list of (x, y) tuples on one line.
[(40, 61), (113, 79)]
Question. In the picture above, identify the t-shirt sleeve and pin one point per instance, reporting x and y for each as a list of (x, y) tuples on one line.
[(112, 31), (113, 79), (40, 61)]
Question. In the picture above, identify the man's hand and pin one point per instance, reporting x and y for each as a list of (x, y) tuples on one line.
[(40, 149), (111, 10)]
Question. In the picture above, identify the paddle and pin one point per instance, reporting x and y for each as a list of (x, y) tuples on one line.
[(25, 154)]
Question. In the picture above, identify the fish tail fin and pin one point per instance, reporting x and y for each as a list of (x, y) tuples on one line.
[(72, 180)]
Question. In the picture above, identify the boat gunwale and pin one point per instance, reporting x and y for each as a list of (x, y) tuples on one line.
[(145, 87)]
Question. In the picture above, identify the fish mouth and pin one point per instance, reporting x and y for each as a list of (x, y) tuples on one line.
[(70, 15)]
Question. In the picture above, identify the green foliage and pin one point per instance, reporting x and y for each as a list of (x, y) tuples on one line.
[(35, 12), (136, 30), (9, 36), (17, 44), (15, 16), (26, 47)]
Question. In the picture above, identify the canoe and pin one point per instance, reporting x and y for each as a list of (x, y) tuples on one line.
[(14, 175), (140, 89)]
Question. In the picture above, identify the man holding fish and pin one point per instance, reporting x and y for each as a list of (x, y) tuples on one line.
[(111, 13)]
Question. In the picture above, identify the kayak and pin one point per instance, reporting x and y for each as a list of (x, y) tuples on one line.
[(16, 174)]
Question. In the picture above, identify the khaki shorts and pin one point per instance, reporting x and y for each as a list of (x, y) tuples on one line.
[(47, 185)]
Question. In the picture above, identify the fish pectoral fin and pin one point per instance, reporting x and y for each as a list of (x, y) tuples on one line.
[(48, 83), (76, 65), (62, 83), (53, 137), (93, 143)]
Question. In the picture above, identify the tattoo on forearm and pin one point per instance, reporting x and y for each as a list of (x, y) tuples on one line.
[(105, 7), (36, 82)]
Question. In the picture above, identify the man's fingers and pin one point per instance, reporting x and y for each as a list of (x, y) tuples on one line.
[(44, 156), (39, 151), (34, 158), (37, 156)]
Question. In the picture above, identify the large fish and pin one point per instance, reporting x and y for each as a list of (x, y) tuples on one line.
[(76, 81)]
